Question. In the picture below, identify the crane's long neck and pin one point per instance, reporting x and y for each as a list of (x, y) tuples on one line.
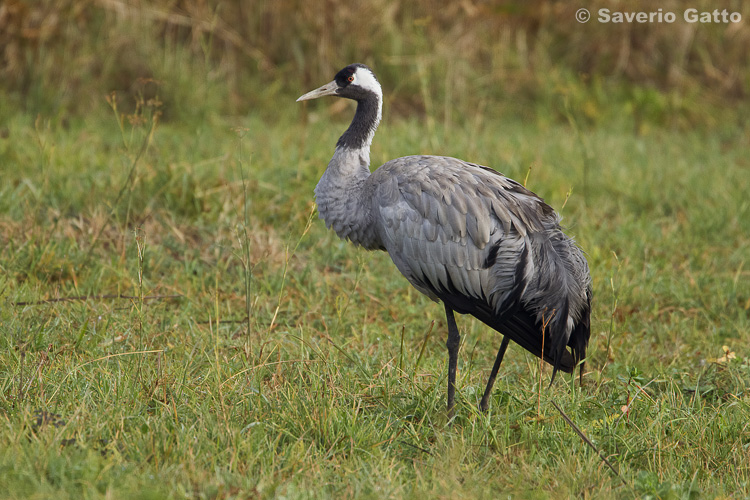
[(365, 122), (342, 194)]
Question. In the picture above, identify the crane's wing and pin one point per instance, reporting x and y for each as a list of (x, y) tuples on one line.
[(486, 246)]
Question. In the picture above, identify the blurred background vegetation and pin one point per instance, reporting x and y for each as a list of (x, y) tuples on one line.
[(448, 60)]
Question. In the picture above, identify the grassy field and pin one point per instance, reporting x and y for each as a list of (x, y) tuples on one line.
[(175, 322), (157, 386)]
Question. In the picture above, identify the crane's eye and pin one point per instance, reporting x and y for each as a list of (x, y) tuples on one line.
[(351, 78)]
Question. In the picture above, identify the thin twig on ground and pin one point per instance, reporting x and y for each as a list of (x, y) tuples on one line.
[(588, 442), (114, 296)]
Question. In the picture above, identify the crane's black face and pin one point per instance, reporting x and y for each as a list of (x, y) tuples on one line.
[(356, 81)]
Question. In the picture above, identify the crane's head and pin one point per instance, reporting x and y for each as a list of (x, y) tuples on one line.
[(356, 81)]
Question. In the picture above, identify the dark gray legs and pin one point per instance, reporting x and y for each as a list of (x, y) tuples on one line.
[(486, 397), (453, 342)]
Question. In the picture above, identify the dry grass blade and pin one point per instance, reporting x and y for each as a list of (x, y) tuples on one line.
[(588, 442)]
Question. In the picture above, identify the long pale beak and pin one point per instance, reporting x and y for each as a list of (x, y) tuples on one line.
[(330, 88)]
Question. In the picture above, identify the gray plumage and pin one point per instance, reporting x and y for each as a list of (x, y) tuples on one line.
[(460, 233)]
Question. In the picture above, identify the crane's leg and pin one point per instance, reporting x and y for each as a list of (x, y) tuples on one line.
[(453, 342), (485, 404)]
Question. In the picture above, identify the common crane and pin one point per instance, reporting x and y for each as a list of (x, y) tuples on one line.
[(462, 234)]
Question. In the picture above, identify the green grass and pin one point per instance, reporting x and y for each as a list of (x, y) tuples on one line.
[(231, 347)]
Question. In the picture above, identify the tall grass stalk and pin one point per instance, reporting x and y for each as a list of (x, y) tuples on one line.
[(128, 182), (583, 147), (615, 290), (288, 257), (243, 239)]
